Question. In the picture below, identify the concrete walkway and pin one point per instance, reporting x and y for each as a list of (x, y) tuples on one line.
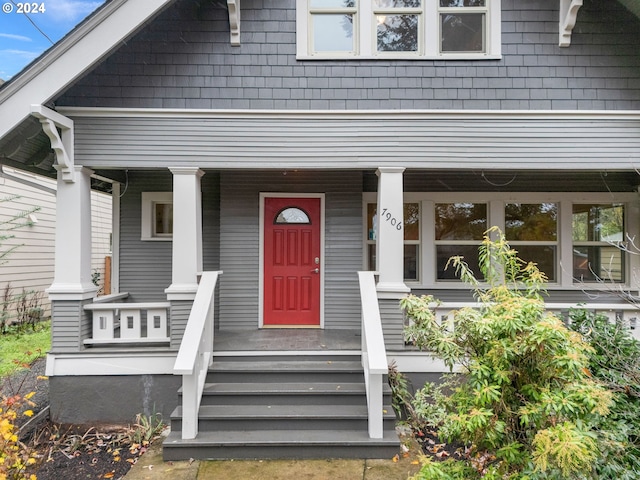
[(151, 467)]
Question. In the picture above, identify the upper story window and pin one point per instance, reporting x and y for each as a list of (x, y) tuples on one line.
[(451, 29)]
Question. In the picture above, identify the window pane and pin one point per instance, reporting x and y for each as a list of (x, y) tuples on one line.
[(292, 215), (332, 33), (411, 262), (371, 256), (412, 221), (461, 221), (591, 264), (333, 3), (445, 252), (598, 223), (462, 3), (531, 221), (543, 256), (397, 33), (462, 32), (383, 4), (163, 219)]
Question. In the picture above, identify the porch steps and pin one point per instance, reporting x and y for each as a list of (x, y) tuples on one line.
[(284, 407)]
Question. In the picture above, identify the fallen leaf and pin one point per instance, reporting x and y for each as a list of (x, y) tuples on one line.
[(415, 462), (109, 474), (28, 413), (395, 458)]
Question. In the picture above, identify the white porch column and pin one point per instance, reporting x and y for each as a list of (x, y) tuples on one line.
[(390, 234), (72, 276), (187, 233)]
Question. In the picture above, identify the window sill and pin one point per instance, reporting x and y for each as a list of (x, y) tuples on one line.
[(478, 57), (156, 239)]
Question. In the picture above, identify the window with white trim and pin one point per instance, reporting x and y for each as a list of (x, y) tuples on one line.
[(451, 29), (157, 216), (576, 240), (411, 239), (598, 232)]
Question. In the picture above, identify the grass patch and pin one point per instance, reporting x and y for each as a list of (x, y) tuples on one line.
[(18, 350)]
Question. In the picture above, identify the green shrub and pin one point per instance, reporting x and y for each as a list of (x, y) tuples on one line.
[(525, 406), (614, 360)]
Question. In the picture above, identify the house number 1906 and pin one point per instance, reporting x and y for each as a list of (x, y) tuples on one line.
[(391, 219)]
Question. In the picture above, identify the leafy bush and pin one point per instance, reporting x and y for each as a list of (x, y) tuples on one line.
[(615, 361), (526, 404), (15, 456)]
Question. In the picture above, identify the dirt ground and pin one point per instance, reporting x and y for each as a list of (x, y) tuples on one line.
[(65, 452), (74, 453)]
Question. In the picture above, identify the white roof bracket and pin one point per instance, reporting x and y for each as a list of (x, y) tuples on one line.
[(61, 142), (568, 16), (234, 21)]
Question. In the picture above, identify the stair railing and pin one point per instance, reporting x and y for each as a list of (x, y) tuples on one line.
[(196, 352), (374, 355)]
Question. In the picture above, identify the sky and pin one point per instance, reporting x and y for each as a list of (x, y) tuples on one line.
[(20, 40)]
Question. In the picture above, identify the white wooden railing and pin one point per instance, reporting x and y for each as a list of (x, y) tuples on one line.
[(127, 323), (623, 313), (374, 355), (196, 353)]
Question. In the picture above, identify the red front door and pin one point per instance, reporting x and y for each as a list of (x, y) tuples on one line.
[(291, 262)]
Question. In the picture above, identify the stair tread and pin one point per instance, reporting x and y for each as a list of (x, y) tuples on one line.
[(284, 388), (234, 412), (284, 437), (294, 365)]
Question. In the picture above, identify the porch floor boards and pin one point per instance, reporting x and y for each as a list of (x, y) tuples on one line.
[(283, 340)]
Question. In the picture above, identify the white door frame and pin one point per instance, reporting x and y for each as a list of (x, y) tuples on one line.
[(264, 195)]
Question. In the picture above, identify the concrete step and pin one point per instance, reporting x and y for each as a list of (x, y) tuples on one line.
[(282, 444)]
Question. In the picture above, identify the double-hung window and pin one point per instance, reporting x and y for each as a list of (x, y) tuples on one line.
[(532, 230), (598, 235), (433, 29)]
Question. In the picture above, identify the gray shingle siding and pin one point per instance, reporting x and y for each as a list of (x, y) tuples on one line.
[(184, 59)]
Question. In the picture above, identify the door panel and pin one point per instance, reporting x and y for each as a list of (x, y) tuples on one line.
[(292, 262)]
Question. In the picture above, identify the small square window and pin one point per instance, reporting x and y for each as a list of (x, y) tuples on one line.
[(157, 216)]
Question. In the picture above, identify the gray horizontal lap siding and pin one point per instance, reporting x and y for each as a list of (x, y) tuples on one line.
[(145, 266), (71, 327), (358, 141), (184, 60), (239, 242)]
